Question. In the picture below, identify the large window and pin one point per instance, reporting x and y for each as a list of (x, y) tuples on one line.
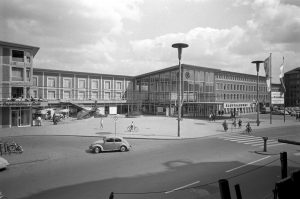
[(107, 95), (81, 83), (17, 74), (94, 95), (118, 96), (34, 81), (118, 85), (81, 95), (34, 93), (67, 94), (51, 95), (17, 56), (51, 82), (28, 74), (106, 84), (95, 84), (67, 83)]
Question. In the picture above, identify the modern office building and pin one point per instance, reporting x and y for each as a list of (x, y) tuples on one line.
[(16, 69), (292, 85), (204, 90)]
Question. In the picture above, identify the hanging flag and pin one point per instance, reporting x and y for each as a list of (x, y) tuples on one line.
[(267, 66), (281, 76)]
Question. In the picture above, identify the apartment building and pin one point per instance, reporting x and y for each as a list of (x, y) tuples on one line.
[(292, 85), (16, 69)]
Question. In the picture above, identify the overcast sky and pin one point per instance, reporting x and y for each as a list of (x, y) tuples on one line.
[(131, 37)]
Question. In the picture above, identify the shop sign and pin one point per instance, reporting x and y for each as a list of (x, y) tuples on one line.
[(237, 105), (277, 97), (21, 103)]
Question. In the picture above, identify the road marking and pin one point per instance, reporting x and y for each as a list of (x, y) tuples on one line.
[(181, 187), (296, 154), (273, 145), (247, 164)]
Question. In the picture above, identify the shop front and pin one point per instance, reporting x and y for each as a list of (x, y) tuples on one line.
[(17, 114)]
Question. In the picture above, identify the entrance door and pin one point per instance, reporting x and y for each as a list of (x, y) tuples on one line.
[(20, 117), (15, 118)]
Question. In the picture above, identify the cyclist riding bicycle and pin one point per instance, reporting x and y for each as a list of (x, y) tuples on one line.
[(132, 126)]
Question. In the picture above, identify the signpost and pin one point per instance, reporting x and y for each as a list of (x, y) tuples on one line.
[(115, 118)]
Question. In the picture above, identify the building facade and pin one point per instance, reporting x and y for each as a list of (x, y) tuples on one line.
[(16, 69), (67, 89), (204, 91), (238, 92), (25, 90), (292, 85)]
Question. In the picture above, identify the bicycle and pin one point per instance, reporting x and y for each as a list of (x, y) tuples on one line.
[(132, 129), (248, 130), (12, 147)]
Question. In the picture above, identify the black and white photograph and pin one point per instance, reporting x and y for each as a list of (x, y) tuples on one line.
[(149, 99)]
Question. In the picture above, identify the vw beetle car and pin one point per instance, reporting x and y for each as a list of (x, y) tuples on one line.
[(110, 144), (3, 163)]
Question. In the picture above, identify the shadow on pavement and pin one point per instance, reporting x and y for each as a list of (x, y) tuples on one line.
[(255, 182)]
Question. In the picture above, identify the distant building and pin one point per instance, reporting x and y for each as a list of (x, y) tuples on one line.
[(292, 85)]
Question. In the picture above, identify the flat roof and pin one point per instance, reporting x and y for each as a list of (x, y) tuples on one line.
[(10, 44), (78, 72), (174, 68)]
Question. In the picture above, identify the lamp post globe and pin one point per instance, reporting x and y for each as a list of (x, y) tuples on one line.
[(257, 63), (179, 46)]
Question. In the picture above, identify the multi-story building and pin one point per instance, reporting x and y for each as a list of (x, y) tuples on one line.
[(292, 85), (238, 92), (74, 89), (204, 90), (16, 68), (156, 92)]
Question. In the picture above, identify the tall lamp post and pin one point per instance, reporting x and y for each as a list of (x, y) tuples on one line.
[(179, 46), (257, 103)]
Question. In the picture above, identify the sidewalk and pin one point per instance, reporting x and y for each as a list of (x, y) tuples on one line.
[(150, 127)]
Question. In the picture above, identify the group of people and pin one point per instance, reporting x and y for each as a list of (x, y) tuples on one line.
[(234, 123)]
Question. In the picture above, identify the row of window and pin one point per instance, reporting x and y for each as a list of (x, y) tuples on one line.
[(81, 95), (82, 83), (240, 97), (239, 87), (237, 78)]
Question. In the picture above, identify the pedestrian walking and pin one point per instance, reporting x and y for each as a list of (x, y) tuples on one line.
[(101, 123), (39, 121), (240, 123), (210, 117), (234, 123), (225, 125)]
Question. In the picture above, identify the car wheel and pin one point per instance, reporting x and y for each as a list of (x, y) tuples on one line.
[(123, 148), (97, 150)]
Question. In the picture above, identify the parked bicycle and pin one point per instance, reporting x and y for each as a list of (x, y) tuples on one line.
[(10, 147)]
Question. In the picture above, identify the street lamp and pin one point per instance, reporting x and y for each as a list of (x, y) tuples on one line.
[(179, 46), (257, 103)]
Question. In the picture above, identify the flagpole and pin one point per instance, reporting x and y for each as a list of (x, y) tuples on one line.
[(283, 94), (271, 88)]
